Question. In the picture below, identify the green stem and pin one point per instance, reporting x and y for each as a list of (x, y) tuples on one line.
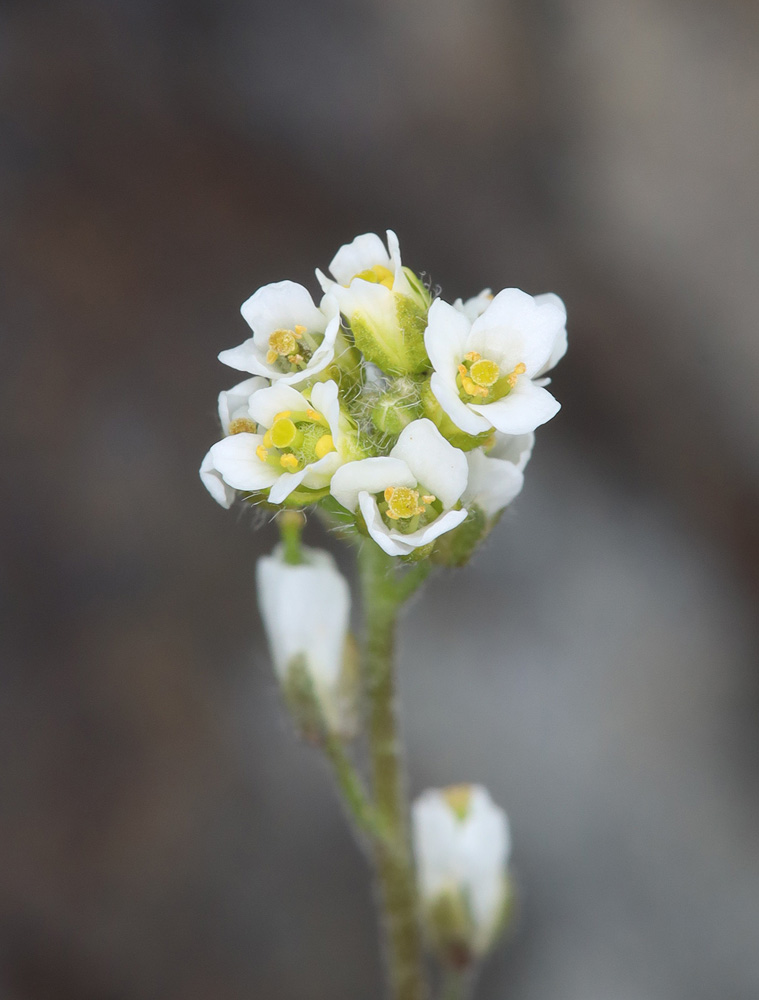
[(353, 792), (291, 524), (382, 598)]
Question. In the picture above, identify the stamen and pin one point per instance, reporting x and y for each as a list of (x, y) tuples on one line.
[(242, 425), (289, 462), (458, 798), (472, 356), (282, 343), (402, 502), (283, 432), (378, 275), (262, 453), (324, 446)]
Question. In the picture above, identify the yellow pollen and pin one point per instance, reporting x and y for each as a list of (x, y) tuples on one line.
[(378, 275), (520, 369), (429, 498), (299, 331), (295, 359), (261, 453), (313, 414), (402, 502), (472, 356), (268, 443), (282, 414), (282, 343), (289, 462), (469, 387), (484, 373), (324, 446), (283, 432), (458, 798), (242, 426)]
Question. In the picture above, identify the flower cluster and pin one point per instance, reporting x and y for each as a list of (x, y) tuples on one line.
[(408, 419)]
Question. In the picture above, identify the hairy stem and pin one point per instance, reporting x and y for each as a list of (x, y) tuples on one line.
[(382, 597)]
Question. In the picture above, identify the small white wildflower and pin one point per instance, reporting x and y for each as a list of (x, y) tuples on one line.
[(462, 844), (235, 419), (292, 340), (484, 368), (496, 475), (300, 440), (384, 303), (407, 496), (305, 609)]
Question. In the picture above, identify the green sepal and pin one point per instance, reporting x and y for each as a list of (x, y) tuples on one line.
[(420, 290), (455, 547), (398, 349), (302, 700), (458, 438), (397, 407), (448, 924), (419, 553)]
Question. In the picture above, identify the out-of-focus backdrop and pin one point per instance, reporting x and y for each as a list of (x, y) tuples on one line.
[(162, 832)]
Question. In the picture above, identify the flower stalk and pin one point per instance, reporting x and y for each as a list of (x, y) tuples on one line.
[(382, 601)]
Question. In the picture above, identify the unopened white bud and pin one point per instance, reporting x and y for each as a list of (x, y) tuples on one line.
[(305, 609), (462, 844)]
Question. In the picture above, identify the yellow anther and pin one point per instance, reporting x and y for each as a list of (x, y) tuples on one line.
[(299, 331), (313, 414), (429, 498), (324, 446), (283, 342), (242, 425), (469, 387), (458, 798), (295, 359), (520, 369), (289, 462), (268, 443), (378, 275), (472, 356), (283, 432), (402, 502), (261, 453), (484, 373), (271, 356), (282, 414)]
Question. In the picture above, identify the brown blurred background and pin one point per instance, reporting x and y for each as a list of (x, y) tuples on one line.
[(163, 834)]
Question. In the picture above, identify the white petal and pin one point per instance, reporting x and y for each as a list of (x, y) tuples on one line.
[(514, 329), (476, 306), (493, 483), (436, 464), (526, 407), (305, 611), (280, 305), (285, 484), (379, 531), (267, 403), (370, 474), (235, 459), (422, 536), (374, 303), (362, 254), (324, 399), (233, 403), (319, 473), (460, 413), (560, 343), (395, 250), (445, 338), (514, 448), (215, 485)]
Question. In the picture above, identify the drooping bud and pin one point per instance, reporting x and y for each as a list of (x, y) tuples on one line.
[(461, 843), (305, 609)]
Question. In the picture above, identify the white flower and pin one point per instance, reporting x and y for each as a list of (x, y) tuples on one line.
[(406, 497), (305, 609), (476, 306), (384, 302), (496, 475), (235, 419), (462, 844), (292, 340), (300, 440), (484, 367)]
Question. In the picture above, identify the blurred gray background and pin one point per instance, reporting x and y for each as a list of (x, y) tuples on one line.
[(163, 833)]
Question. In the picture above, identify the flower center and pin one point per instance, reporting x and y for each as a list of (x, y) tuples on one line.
[(458, 798), (291, 350), (405, 509), (378, 275), (242, 425), (480, 378), (296, 439)]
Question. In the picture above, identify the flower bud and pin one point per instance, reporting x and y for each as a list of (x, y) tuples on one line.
[(305, 609), (462, 843)]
